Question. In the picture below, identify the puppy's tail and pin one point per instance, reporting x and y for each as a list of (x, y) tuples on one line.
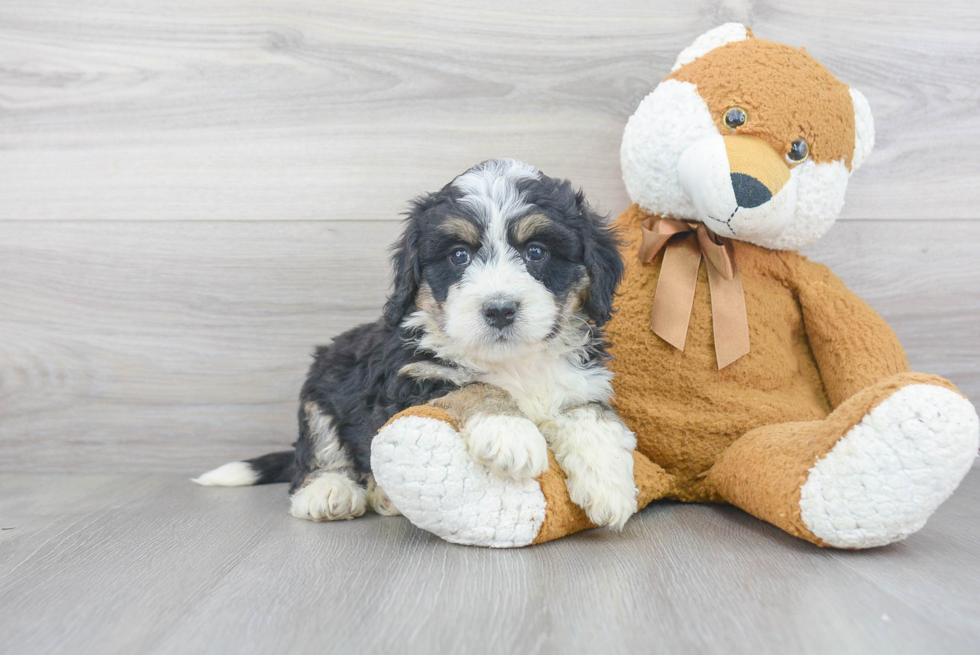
[(274, 467)]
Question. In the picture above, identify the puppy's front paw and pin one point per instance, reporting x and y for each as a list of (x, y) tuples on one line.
[(510, 446), (603, 486)]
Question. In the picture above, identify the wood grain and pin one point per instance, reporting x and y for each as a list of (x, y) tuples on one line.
[(304, 109), (174, 346), (137, 564)]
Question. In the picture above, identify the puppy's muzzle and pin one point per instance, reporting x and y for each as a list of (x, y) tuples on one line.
[(500, 314)]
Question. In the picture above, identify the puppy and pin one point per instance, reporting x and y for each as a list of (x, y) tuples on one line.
[(502, 281)]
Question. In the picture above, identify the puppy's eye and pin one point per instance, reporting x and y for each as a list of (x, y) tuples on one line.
[(460, 257), (735, 117), (535, 253), (798, 151)]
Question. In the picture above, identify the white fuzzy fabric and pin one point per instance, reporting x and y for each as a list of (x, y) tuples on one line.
[(820, 190), (667, 122), (890, 472), (704, 174), (424, 467), (714, 38), (232, 474), (864, 129)]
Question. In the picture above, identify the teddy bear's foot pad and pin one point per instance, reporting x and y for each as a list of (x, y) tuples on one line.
[(890, 472), (423, 465)]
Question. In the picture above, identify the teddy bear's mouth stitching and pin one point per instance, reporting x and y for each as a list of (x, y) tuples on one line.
[(727, 223)]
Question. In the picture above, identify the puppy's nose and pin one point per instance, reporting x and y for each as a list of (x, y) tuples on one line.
[(749, 192), (500, 314)]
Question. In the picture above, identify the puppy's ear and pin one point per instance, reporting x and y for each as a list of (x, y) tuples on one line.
[(406, 266), (602, 262)]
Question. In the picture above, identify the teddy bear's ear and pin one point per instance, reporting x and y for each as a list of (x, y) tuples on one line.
[(864, 129), (710, 40)]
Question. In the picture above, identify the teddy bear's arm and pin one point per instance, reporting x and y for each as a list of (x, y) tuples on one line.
[(853, 346)]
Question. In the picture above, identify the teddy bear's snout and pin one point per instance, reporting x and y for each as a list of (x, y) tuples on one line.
[(757, 172), (739, 186)]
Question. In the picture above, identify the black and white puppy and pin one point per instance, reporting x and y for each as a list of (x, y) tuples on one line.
[(502, 281)]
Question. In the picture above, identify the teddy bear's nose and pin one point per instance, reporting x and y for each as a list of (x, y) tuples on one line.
[(749, 192)]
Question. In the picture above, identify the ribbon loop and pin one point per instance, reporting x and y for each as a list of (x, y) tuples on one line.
[(721, 255), (683, 244)]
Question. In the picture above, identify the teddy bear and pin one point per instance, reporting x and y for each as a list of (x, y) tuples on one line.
[(749, 374)]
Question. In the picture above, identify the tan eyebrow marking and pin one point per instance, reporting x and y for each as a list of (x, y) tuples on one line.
[(461, 229), (527, 227)]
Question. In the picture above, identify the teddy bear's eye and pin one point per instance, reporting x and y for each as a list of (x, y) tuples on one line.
[(735, 117), (798, 151)]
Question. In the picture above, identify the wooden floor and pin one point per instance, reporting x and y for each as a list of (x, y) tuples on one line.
[(136, 564)]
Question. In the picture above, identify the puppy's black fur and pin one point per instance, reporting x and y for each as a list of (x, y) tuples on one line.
[(355, 381)]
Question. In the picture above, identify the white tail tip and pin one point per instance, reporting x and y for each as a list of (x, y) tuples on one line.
[(232, 474)]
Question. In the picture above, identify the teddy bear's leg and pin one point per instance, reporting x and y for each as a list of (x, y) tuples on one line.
[(869, 474), (422, 463)]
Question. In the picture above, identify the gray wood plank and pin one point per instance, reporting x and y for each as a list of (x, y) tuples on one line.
[(172, 346), (159, 333), (127, 563), (344, 109)]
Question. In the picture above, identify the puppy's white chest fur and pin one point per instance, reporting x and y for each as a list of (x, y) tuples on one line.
[(546, 385)]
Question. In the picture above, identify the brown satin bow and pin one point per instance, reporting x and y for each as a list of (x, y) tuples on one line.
[(674, 298)]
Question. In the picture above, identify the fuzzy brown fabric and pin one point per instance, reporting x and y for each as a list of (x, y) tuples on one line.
[(773, 82), (763, 471), (563, 517), (423, 411), (685, 411), (747, 434)]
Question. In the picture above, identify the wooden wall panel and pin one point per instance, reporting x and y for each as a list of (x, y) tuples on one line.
[(300, 109), (193, 194), (175, 345)]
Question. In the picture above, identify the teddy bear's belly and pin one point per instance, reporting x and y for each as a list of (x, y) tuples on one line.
[(685, 411)]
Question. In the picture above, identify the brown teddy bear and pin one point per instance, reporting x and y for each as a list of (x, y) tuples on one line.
[(749, 374)]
